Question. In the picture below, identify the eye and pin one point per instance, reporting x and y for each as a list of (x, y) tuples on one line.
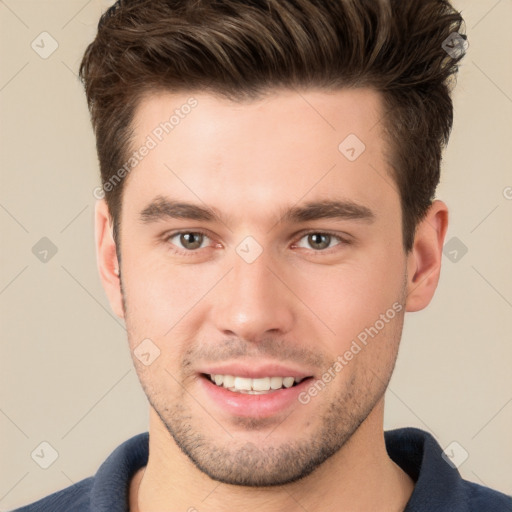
[(320, 241), (189, 240), (192, 241)]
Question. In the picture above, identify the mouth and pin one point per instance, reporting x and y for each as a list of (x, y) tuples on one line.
[(257, 389), (253, 386)]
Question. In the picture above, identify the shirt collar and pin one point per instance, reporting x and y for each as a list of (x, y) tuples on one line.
[(437, 484)]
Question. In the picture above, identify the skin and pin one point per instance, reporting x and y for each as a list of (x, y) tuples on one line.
[(297, 303)]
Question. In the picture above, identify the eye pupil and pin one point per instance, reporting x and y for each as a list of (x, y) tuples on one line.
[(320, 240), (191, 240)]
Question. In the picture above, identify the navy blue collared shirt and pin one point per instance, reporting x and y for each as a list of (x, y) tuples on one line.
[(438, 486)]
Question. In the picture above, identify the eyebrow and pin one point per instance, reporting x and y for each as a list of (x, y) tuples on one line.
[(162, 208)]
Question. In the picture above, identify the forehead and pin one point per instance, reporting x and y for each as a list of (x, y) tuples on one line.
[(308, 112), (274, 150)]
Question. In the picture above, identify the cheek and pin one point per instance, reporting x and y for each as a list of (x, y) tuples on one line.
[(159, 295), (163, 305), (351, 297)]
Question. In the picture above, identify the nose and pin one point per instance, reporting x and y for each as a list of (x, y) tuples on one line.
[(254, 300)]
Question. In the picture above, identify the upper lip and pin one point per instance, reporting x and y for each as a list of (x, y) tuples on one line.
[(255, 371)]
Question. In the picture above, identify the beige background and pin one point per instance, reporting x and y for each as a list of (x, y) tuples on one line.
[(66, 375)]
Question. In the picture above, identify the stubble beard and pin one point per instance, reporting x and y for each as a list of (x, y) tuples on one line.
[(242, 463)]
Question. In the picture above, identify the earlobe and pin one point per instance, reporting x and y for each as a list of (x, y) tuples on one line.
[(106, 255), (424, 260)]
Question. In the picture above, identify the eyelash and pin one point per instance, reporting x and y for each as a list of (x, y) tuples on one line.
[(193, 252)]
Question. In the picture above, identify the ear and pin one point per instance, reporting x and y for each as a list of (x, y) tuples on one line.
[(106, 256), (424, 260)]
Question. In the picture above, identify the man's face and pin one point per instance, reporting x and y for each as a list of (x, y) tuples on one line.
[(260, 292)]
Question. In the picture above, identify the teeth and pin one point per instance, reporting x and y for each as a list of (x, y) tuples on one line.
[(253, 386), (276, 382), (288, 382), (242, 383), (229, 381), (261, 384)]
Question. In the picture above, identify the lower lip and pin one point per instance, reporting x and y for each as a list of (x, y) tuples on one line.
[(254, 406)]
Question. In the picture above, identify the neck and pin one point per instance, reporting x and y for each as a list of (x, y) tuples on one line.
[(359, 477)]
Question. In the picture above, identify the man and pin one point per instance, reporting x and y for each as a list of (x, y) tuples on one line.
[(269, 171)]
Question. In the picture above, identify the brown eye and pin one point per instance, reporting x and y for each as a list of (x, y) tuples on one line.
[(189, 240), (319, 240)]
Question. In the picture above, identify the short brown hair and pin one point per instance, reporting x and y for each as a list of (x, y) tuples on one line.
[(241, 49)]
